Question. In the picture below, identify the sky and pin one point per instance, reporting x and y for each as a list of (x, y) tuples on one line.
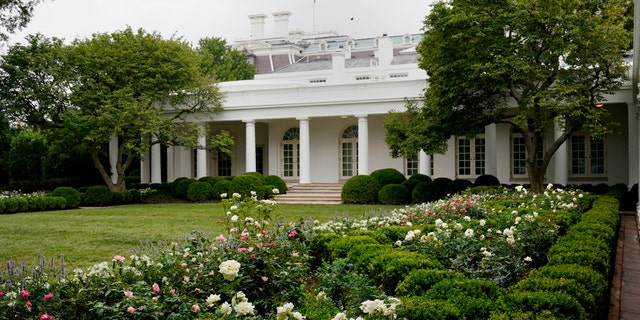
[(228, 19)]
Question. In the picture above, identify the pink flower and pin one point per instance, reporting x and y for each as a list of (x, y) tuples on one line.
[(242, 249), (293, 233), (195, 308), (131, 310), (265, 278), (271, 244), (1, 294), (250, 249), (118, 258), (253, 256), (156, 288), (295, 253), (221, 238), (45, 316), (24, 294), (29, 304), (186, 279), (172, 291), (48, 296), (128, 294), (243, 238)]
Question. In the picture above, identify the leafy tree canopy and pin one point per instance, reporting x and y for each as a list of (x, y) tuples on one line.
[(223, 62), (126, 84), (14, 15), (531, 64)]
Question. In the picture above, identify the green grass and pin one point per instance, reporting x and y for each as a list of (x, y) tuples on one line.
[(89, 236)]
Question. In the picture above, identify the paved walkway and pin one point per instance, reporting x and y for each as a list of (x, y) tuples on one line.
[(625, 287)]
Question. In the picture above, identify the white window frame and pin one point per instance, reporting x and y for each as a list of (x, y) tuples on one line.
[(585, 158), (475, 157)]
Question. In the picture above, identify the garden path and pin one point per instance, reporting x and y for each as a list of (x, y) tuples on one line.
[(625, 287)]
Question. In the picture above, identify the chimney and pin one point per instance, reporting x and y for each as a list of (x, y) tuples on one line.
[(257, 25), (338, 65), (385, 51), (282, 23)]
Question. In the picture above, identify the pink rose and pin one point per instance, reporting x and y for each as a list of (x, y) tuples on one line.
[(242, 249), (293, 233), (1, 294), (186, 279), (265, 278), (24, 294), (128, 294), (48, 296), (46, 317), (29, 304), (195, 308), (118, 258), (243, 238), (131, 310), (156, 288), (172, 291)]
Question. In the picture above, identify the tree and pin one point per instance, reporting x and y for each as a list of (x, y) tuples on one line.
[(224, 62), (527, 63), (14, 15), (135, 86)]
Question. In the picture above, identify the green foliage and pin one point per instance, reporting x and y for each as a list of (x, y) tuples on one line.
[(71, 195), (486, 180), (277, 182), (392, 266), (211, 180), (422, 308), (512, 80), (223, 62), (410, 184), (221, 187), (341, 247), (247, 183), (183, 187), (559, 305), (475, 298), (458, 186), (388, 176), (569, 286), (425, 192), (199, 191), (395, 194), (360, 189), (97, 196), (420, 177), (419, 281)]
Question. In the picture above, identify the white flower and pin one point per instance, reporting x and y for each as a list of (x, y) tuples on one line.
[(482, 222), (275, 191), (528, 259), (212, 299), (243, 308), (409, 236), (223, 195), (340, 316), (398, 243), (468, 233), (298, 315), (518, 220), (467, 218), (236, 195), (438, 222), (229, 269), (225, 309), (371, 306), (234, 218)]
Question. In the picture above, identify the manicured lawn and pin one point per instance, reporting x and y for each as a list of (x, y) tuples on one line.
[(89, 236)]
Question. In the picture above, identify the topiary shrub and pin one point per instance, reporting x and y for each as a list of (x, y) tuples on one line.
[(420, 177), (122, 197), (475, 298), (71, 195), (200, 191), (278, 183), (97, 196), (486, 180), (246, 183), (211, 180), (183, 187), (11, 205), (425, 192), (421, 308), (458, 186), (419, 281), (410, 184), (175, 183), (221, 187), (395, 194), (258, 175), (360, 189), (387, 176), (442, 183)]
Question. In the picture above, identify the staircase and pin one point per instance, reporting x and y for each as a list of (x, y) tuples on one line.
[(312, 193)]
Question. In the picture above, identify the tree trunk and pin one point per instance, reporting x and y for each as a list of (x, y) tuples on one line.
[(115, 187)]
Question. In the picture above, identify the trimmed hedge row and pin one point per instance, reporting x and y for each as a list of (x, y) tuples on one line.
[(15, 205)]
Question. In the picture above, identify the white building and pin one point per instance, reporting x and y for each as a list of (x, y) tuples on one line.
[(314, 112)]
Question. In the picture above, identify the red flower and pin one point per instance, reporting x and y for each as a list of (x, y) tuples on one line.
[(48, 296), (46, 317), (24, 294)]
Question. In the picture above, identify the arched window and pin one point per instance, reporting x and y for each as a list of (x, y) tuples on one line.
[(291, 153), (349, 152)]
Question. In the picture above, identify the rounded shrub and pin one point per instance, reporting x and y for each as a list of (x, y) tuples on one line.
[(442, 183), (71, 195), (200, 191), (420, 177), (183, 187), (394, 194), (387, 176), (246, 183), (257, 175), (422, 308), (277, 182), (360, 189), (425, 192), (175, 183), (410, 184), (458, 186), (11, 205), (210, 180), (486, 180), (419, 281), (121, 197), (221, 187), (97, 196)]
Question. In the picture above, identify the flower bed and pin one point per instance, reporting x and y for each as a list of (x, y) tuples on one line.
[(474, 256)]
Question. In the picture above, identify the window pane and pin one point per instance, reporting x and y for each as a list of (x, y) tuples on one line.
[(464, 157), (519, 156), (578, 155), (480, 156), (412, 165), (597, 157)]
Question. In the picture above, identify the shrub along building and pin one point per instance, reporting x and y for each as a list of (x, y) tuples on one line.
[(314, 114)]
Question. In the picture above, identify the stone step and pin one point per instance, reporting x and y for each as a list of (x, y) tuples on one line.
[(318, 193)]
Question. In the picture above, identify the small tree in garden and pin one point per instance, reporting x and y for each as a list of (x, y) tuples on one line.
[(530, 64)]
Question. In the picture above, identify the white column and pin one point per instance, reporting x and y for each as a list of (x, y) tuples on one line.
[(185, 165), (171, 174), (113, 157), (201, 153), (363, 144), (305, 151), (424, 162), (250, 143), (491, 152), (156, 161), (560, 161)]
